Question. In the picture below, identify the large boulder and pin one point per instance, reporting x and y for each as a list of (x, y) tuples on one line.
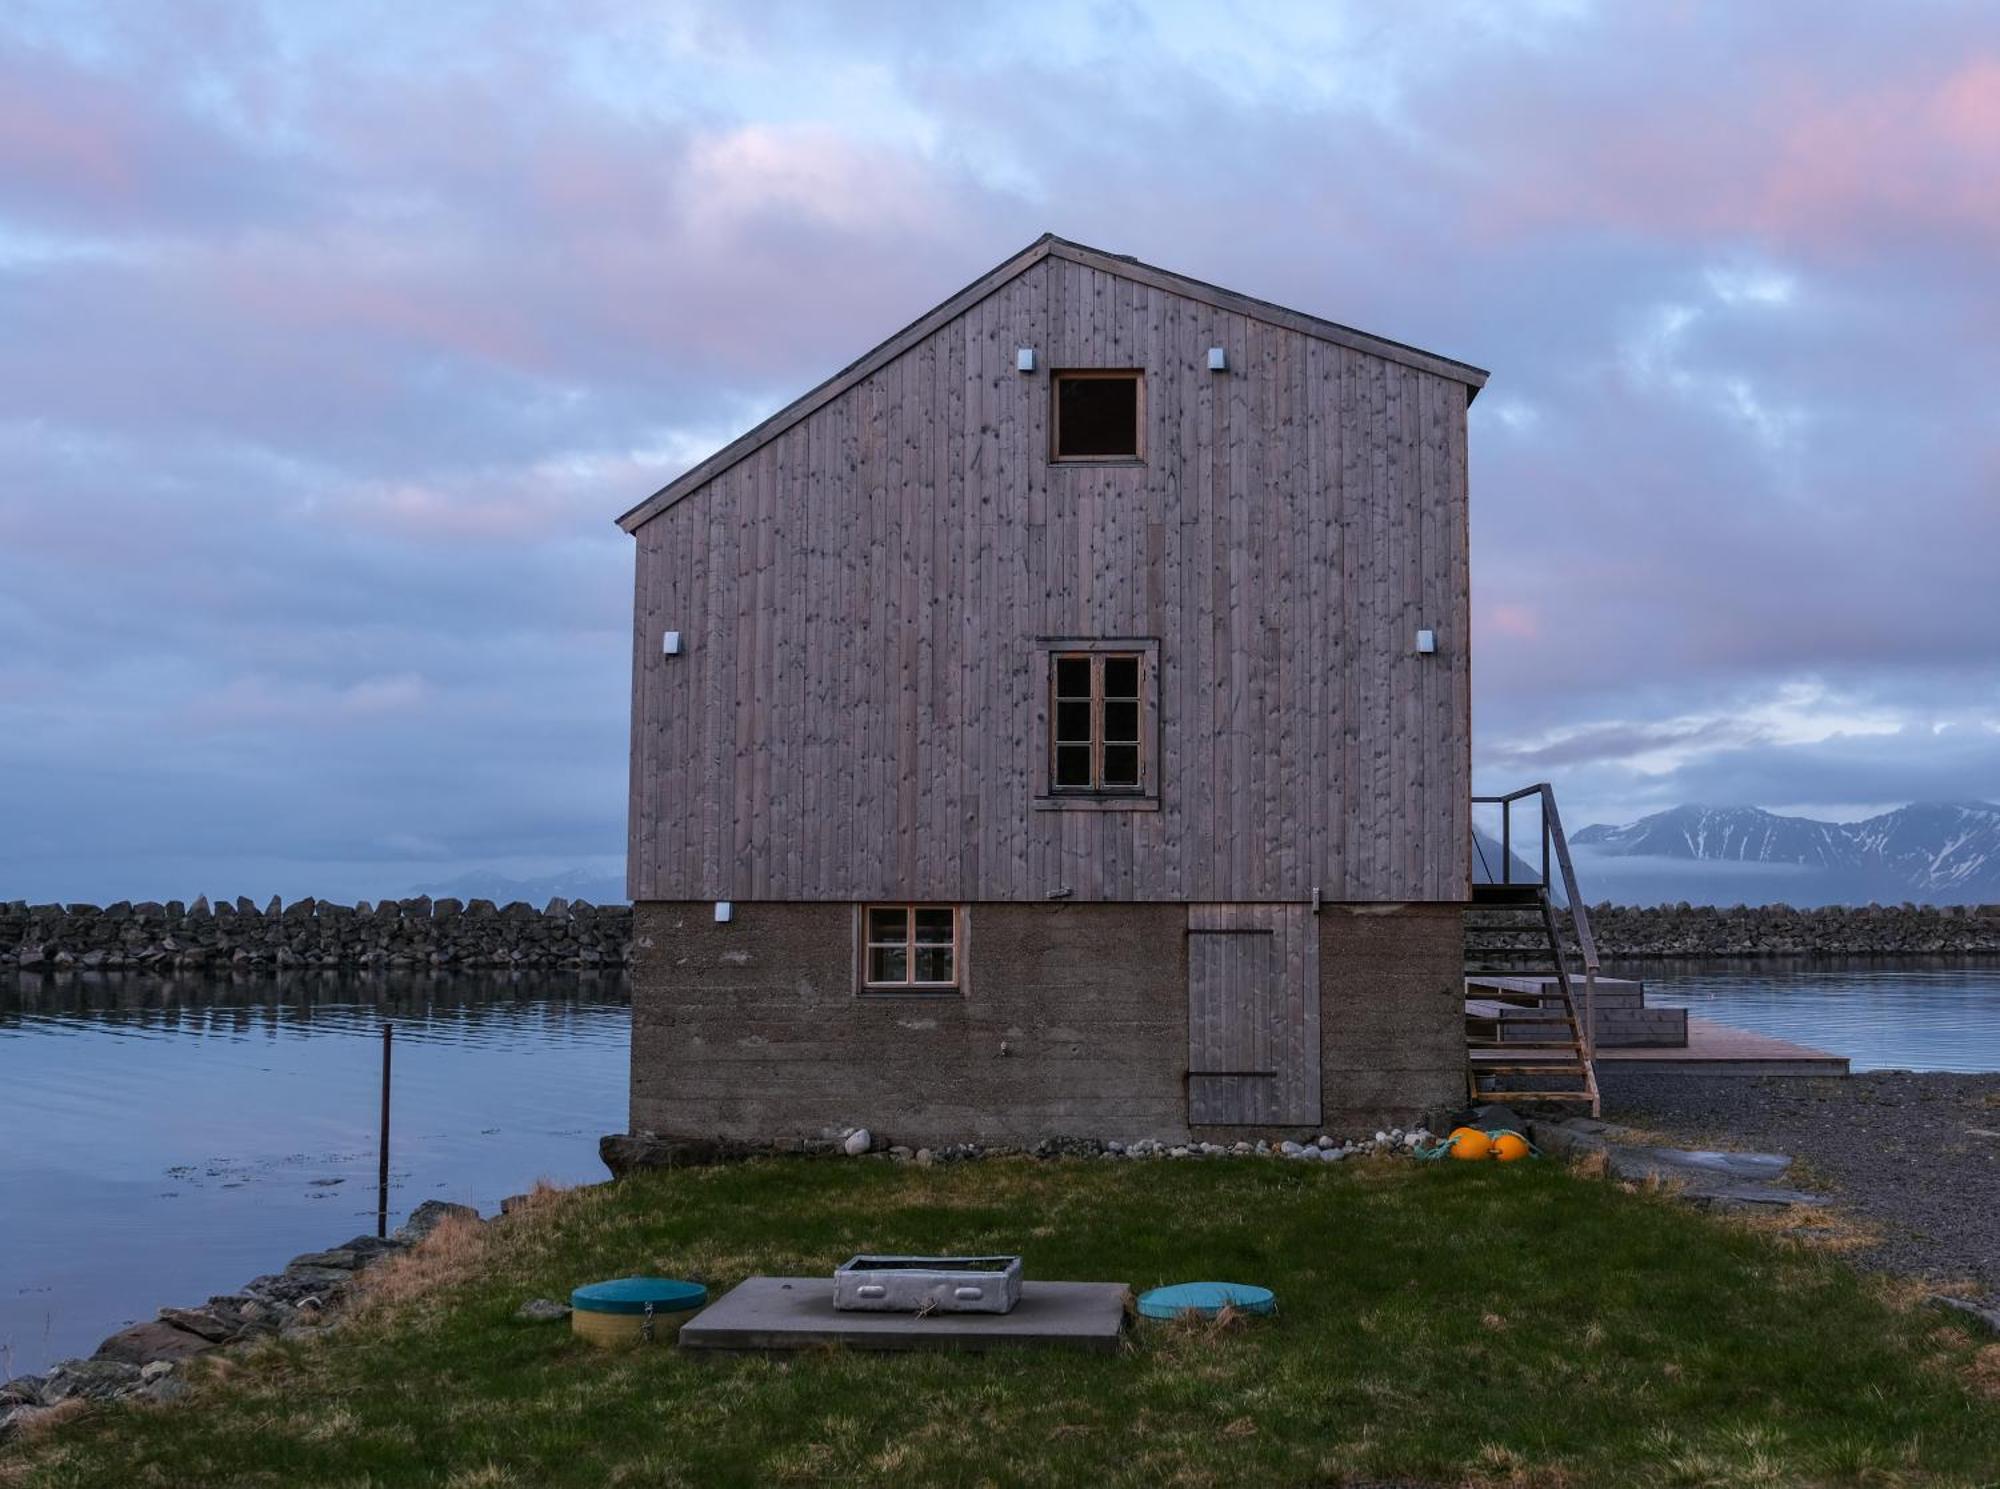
[(319, 1284), (22, 1390), (339, 1259), (93, 1380), (429, 1215), (154, 1340), (207, 1323)]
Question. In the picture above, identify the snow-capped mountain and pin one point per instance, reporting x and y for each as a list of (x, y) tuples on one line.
[(1945, 849), (1740, 834), (1946, 852)]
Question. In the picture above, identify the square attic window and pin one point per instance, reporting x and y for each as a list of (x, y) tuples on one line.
[(1097, 414)]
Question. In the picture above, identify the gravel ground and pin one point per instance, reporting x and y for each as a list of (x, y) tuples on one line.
[(1915, 1155)]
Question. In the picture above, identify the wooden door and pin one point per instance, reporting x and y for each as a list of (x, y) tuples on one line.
[(1253, 1015)]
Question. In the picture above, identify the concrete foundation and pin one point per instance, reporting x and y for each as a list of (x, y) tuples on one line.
[(1070, 1020)]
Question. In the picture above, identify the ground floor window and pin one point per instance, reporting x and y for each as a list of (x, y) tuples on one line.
[(910, 948)]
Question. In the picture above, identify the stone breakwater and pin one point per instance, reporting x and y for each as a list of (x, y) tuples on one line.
[(1633, 932), (237, 935), (147, 1360), (421, 933)]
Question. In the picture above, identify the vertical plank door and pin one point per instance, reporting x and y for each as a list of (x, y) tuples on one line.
[(1253, 1016)]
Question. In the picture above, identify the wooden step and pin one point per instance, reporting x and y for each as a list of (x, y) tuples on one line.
[(1506, 894), (1509, 1046), (1573, 1069)]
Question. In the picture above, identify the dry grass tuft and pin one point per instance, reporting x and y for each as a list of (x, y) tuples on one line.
[(1594, 1164), (1815, 1230), (1904, 1294), (1984, 1372), (46, 1419), (544, 1194), (453, 1254)]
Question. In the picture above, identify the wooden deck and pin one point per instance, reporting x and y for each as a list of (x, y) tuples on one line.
[(1717, 1049)]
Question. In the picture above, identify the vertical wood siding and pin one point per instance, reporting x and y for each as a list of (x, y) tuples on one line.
[(1253, 1015), (853, 714)]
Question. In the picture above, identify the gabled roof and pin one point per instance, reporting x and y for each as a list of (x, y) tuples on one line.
[(1046, 246)]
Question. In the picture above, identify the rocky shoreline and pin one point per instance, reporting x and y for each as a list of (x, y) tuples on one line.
[(236, 935), (421, 933), (144, 1361)]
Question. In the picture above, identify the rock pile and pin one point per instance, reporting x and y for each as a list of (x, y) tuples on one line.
[(145, 1360), (237, 935), (1635, 932), (625, 1152)]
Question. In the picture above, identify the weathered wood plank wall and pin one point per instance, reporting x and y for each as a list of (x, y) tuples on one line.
[(854, 715), (1253, 1015)]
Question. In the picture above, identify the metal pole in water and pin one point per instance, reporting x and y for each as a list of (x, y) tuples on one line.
[(382, 1172)]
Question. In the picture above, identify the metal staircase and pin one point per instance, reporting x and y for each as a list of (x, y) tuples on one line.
[(1529, 1040)]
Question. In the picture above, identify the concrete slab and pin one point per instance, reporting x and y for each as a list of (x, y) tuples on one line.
[(778, 1313), (1721, 1181), (1755, 1197), (1756, 1168)]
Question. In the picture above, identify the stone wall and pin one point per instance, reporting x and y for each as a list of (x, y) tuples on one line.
[(1632, 932), (1392, 1014), (1072, 1022), (1073, 1019), (395, 934)]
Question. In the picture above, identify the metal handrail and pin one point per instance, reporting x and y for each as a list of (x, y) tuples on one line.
[(1579, 913)]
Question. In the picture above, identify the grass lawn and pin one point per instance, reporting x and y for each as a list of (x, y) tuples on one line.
[(1440, 1323)]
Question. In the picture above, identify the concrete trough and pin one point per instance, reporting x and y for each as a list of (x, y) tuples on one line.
[(782, 1313)]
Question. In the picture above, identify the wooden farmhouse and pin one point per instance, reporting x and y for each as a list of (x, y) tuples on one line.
[(1057, 723)]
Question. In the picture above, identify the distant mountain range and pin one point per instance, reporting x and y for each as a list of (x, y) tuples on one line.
[(570, 884), (1930, 852)]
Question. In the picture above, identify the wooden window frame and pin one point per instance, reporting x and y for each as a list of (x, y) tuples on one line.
[(1090, 374), (865, 945), (1145, 795)]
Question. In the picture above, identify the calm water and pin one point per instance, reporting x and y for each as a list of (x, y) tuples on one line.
[(170, 1139), (1887, 1014)]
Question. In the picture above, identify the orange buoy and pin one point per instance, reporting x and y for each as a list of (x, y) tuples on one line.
[(1507, 1146), (1468, 1142)]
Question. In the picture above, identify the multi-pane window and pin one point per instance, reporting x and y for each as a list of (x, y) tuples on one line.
[(910, 947), (1096, 716), (1097, 415)]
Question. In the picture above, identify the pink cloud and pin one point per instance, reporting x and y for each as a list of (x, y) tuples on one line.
[(66, 143), (551, 499), (1824, 163), (261, 701), (1519, 622)]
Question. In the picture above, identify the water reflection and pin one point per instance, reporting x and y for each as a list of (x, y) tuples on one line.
[(172, 1136), (1905, 1013)]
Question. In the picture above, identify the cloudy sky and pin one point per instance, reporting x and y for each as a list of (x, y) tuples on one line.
[(333, 337)]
